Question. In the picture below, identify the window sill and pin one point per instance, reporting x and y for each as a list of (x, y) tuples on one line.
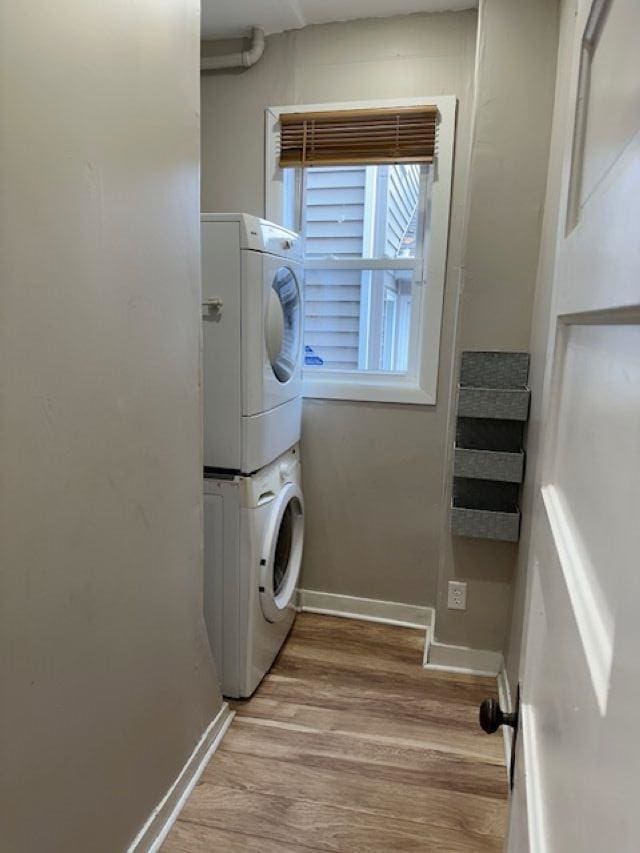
[(361, 390)]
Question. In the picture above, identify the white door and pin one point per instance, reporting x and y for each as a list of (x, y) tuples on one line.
[(577, 787)]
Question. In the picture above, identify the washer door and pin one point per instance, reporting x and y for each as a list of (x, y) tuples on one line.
[(282, 553), (282, 324)]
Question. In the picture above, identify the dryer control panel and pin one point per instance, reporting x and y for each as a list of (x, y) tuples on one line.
[(263, 236), (260, 235)]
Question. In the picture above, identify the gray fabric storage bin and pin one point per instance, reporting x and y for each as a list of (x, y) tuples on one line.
[(494, 369), (485, 524), (488, 465), (502, 403)]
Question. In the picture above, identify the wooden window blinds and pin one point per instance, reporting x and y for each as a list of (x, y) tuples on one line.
[(352, 137)]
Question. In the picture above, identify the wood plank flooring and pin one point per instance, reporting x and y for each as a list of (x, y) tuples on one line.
[(350, 745)]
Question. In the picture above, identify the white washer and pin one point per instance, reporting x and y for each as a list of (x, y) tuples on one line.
[(253, 539), (252, 347)]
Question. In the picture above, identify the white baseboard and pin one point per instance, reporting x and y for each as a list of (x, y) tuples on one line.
[(463, 659), (157, 827), (428, 639), (506, 703), (368, 609)]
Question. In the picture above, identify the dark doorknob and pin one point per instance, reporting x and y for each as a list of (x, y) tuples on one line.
[(492, 716)]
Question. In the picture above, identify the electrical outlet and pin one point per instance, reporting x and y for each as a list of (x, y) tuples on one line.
[(457, 595)]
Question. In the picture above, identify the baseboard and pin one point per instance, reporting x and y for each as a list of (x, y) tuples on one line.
[(428, 639), (157, 827), (463, 659), (506, 703), (367, 609)]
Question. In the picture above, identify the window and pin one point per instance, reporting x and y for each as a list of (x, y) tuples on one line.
[(358, 318), (375, 239)]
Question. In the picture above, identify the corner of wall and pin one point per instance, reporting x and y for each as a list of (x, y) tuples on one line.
[(507, 179)]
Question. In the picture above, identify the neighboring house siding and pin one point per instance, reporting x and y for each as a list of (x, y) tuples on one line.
[(336, 212), (403, 188), (334, 217), (332, 316)]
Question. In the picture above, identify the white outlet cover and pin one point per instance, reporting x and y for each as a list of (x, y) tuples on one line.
[(457, 595)]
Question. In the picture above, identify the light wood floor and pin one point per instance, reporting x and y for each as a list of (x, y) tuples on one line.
[(349, 745)]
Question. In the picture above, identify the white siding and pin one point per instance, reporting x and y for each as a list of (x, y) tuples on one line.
[(403, 189), (332, 316), (334, 212), (334, 216)]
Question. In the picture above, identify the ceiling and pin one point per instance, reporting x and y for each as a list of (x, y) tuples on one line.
[(229, 18)]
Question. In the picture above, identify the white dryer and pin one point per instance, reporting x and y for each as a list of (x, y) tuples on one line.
[(253, 539), (252, 340)]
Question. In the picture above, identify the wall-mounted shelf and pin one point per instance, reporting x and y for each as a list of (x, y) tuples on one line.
[(493, 405)]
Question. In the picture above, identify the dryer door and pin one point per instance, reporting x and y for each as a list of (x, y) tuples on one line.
[(281, 555), (271, 332), (283, 324)]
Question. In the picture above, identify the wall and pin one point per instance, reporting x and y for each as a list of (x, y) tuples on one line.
[(540, 328), (373, 473), (515, 77), (107, 682)]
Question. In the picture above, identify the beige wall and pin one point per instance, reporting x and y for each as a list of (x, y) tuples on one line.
[(107, 682), (540, 326), (515, 76), (377, 477), (373, 473)]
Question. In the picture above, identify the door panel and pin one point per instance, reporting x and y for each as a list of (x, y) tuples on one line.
[(591, 479), (609, 91), (580, 672)]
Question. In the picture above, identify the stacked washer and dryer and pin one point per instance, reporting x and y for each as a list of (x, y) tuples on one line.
[(253, 504)]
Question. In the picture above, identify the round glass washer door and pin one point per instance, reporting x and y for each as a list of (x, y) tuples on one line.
[(282, 324), (282, 553)]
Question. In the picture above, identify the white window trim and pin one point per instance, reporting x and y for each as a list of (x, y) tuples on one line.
[(420, 386)]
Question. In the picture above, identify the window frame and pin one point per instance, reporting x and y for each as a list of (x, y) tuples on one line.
[(418, 385)]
